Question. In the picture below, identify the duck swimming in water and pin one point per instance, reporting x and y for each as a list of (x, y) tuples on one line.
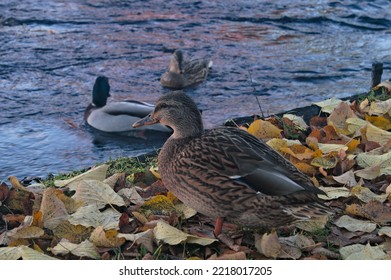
[(116, 116), (185, 73), (228, 174)]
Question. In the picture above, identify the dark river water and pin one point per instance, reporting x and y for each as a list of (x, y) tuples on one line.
[(287, 53)]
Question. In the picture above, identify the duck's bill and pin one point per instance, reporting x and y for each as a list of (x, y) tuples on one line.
[(148, 120)]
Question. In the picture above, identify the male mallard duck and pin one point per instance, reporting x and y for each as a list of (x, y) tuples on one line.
[(227, 173), (115, 116), (182, 73)]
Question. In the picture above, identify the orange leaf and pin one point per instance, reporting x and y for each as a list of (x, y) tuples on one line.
[(264, 130)]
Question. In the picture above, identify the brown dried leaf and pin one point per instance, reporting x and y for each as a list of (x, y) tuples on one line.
[(108, 238), (339, 116), (53, 209), (269, 245), (75, 234)]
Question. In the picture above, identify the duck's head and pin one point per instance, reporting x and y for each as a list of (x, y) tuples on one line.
[(178, 111), (172, 80), (100, 91)]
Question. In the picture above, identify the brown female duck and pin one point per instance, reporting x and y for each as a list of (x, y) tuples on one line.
[(185, 73), (227, 173)]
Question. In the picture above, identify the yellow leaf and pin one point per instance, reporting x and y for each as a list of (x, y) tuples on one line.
[(264, 130), (379, 121), (159, 205), (155, 171), (298, 151), (352, 144)]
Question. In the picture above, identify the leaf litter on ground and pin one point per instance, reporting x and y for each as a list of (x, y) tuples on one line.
[(121, 209)]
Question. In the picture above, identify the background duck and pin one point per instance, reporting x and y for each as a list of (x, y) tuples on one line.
[(185, 73), (115, 116), (227, 173)]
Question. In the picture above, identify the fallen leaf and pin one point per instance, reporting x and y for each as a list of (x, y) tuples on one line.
[(329, 148), (106, 238), (83, 249), (186, 211), (369, 173), (24, 252), (264, 130), (98, 193), (376, 134), (347, 179), (366, 195), (298, 121), (145, 238), (73, 233), (98, 173), (114, 179), (339, 116), (231, 255), (171, 235), (324, 162), (328, 105), (90, 216), (385, 231), (354, 125), (158, 205), (334, 193), (268, 245), (352, 224), (155, 171), (53, 209), (313, 224), (379, 121), (380, 108), (130, 195), (362, 252)]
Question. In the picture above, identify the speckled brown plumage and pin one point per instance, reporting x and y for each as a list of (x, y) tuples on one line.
[(228, 173)]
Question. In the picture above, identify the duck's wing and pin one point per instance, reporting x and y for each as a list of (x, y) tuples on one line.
[(129, 107), (241, 157), (196, 66)]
